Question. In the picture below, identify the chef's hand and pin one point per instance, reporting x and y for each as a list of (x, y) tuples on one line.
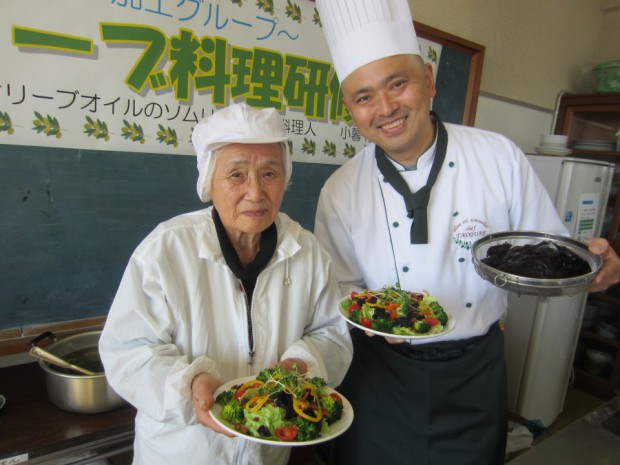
[(288, 363), (609, 274), (390, 340), (204, 386)]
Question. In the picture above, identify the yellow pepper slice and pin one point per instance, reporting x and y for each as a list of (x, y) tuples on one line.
[(253, 383), (300, 405), (256, 403)]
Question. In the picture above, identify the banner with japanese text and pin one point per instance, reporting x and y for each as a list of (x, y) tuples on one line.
[(137, 75)]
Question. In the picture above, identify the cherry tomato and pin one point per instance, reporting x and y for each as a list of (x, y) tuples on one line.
[(431, 321), (287, 433), (366, 322), (354, 307), (337, 397)]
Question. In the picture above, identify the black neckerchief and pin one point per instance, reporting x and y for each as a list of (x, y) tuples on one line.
[(416, 203), (249, 274)]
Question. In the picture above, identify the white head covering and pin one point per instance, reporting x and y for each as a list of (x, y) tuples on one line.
[(361, 31), (238, 123)]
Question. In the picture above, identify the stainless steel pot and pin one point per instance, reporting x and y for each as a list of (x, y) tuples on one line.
[(72, 391)]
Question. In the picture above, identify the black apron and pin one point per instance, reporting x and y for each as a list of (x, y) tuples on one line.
[(433, 404)]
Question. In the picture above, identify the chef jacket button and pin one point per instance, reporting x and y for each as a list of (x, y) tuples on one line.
[(451, 164), (405, 268), (468, 305), (455, 214), (396, 224), (461, 260), (385, 180)]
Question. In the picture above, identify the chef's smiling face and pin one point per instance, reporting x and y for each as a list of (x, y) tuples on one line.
[(248, 186), (389, 101)]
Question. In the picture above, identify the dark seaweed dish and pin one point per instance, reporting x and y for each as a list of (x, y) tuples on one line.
[(543, 260)]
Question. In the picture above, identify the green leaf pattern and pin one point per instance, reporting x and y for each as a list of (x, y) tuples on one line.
[(47, 125), (5, 123), (97, 129), (167, 136), (133, 132)]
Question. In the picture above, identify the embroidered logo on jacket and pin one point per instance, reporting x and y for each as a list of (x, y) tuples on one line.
[(468, 231)]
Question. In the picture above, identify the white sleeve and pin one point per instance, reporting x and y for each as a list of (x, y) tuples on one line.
[(142, 363), (326, 344), (334, 233)]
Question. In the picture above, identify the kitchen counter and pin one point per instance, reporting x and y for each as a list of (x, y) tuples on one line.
[(32, 428), (594, 439)]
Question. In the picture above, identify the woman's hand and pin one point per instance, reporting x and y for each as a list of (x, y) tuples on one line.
[(609, 274), (204, 386), (288, 363)]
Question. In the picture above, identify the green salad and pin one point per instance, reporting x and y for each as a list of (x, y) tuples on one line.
[(392, 310), (281, 405)]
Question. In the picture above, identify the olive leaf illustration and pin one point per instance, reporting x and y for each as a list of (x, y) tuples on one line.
[(5, 123), (237, 2), (308, 147), (167, 136), (266, 6), (290, 146), (349, 150), (133, 132), (329, 149), (47, 125), (97, 129), (432, 54), (293, 11), (316, 18)]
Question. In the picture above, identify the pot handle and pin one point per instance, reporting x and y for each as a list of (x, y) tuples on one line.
[(40, 337)]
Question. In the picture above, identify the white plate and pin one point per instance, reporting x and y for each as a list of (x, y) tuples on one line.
[(553, 151), (335, 429), (594, 148), (344, 313)]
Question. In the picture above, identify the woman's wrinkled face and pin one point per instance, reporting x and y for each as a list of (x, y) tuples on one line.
[(248, 186)]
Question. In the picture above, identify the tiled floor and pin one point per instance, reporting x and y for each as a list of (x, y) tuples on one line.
[(576, 405)]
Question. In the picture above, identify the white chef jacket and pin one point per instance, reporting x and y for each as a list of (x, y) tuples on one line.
[(486, 185), (180, 311)]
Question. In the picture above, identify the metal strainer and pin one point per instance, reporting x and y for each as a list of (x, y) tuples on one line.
[(534, 286)]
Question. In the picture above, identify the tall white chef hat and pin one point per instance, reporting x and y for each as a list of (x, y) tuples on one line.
[(361, 31), (237, 123)]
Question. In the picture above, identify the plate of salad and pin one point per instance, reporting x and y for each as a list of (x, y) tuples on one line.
[(282, 408), (393, 312)]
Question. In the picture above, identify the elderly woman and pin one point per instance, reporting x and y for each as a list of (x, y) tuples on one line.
[(222, 293)]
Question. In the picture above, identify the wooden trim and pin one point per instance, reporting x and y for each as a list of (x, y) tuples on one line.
[(17, 340), (466, 47)]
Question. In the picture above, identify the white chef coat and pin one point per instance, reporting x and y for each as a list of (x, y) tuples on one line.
[(180, 311), (486, 185)]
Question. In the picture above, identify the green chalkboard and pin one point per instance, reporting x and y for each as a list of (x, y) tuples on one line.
[(70, 219)]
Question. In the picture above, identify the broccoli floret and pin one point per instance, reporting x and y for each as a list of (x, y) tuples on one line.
[(232, 412), (382, 324), (317, 381), (355, 316), (332, 409), (421, 327), (224, 397), (265, 374), (442, 317), (307, 429)]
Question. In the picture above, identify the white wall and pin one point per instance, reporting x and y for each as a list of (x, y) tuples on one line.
[(521, 123)]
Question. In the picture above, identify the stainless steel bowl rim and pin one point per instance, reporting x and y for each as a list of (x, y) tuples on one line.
[(535, 286), (66, 341)]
